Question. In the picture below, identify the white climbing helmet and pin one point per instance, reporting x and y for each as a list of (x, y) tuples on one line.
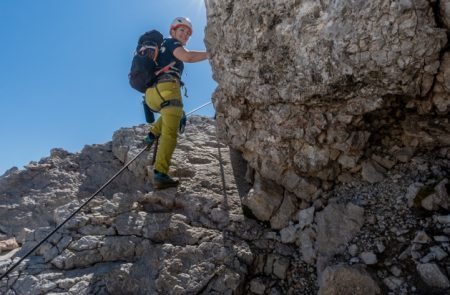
[(181, 21)]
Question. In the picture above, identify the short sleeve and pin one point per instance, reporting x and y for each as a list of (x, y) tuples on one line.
[(173, 44)]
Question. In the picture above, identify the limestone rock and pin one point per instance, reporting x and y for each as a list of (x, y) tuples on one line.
[(369, 258), (444, 9), (393, 283), (264, 200), (8, 245), (309, 93), (336, 226), (306, 217), (421, 238), (288, 234), (280, 267), (257, 286), (372, 172), (433, 276), (308, 250), (330, 96), (441, 89), (443, 219), (347, 280), (353, 250), (438, 199), (285, 212), (127, 240), (196, 238)]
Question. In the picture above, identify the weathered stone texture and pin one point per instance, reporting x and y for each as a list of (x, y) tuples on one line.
[(308, 90), (198, 239), (341, 280), (340, 109), (130, 239)]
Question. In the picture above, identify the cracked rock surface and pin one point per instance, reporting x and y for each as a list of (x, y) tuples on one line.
[(315, 92), (201, 239), (332, 175), (130, 238)]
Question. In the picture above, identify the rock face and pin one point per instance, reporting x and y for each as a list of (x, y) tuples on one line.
[(129, 239), (313, 92), (202, 237), (337, 180)]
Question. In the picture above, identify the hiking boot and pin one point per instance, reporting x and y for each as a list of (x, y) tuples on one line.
[(149, 139), (161, 180)]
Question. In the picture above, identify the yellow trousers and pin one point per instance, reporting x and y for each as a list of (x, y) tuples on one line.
[(168, 124)]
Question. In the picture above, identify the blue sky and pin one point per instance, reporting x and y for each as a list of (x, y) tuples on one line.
[(64, 67)]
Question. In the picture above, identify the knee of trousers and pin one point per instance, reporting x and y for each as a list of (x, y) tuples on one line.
[(171, 117)]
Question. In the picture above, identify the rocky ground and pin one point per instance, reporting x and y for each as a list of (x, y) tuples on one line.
[(390, 237), (385, 242)]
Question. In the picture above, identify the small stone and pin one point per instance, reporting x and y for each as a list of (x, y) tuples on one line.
[(257, 286), (404, 154), (415, 255), (353, 250), (385, 162), (393, 283), (271, 235), (368, 258), (280, 267), (421, 238), (438, 252), (416, 247), (401, 232), (372, 172), (219, 215), (380, 247), (306, 217), (411, 193), (288, 234), (268, 266), (433, 276), (427, 258), (441, 239), (401, 239), (396, 271), (340, 279), (431, 202), (445, 219), (8, 245), (307, 249), (318, 204)]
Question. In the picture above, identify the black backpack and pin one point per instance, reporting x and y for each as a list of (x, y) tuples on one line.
[(143, 65)]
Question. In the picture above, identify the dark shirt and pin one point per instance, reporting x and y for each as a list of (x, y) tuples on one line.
[(166, 56)]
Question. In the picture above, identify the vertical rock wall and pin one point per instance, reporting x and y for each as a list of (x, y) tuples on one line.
[(314, 92)]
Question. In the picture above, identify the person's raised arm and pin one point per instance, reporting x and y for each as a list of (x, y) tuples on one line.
[(189, 56)]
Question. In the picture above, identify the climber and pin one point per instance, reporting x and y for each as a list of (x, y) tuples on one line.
[(165, 96)]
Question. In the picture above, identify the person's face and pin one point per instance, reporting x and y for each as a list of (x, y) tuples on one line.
[(182, 34)]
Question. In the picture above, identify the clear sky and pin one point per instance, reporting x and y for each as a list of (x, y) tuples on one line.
[(64, 67)]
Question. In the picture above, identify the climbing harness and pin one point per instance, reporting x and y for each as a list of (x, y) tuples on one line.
[(169, 102), (86, 202)]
